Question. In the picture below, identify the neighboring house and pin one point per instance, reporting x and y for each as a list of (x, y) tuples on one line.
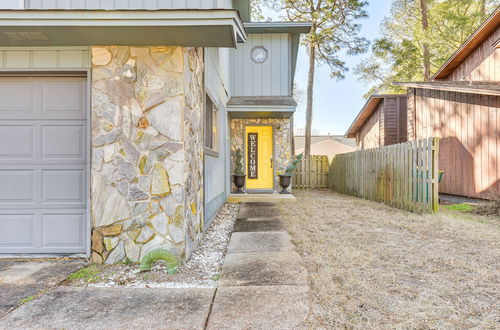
[(118, 120), (329, 145), (461, 106), (381, 122)]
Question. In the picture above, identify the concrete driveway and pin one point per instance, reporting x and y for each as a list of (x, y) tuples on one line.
[(23, 279)]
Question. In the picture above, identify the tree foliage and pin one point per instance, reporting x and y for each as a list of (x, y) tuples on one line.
[(335, 27), (399, 54)]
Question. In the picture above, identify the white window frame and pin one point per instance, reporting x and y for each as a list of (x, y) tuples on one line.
[(211, 147)]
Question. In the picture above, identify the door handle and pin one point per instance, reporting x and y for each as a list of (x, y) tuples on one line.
[(271, 162)]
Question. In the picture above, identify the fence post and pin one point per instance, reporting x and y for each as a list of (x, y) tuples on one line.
[(435, 174)]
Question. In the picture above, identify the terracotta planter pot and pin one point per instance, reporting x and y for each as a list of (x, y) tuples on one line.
[(285, 181), (239, 182)]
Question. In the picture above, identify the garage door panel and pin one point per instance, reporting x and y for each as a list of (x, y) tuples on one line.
[(63, 230), (16, 98), (17, 141), (63, 186), (17, 186), (63, 98), (63, 141), (43, 165), (17, 230)]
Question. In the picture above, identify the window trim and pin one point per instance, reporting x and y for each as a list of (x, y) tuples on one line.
[(213, 149)]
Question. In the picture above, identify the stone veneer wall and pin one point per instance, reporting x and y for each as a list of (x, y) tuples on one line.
[(282, 142), (147, 151)]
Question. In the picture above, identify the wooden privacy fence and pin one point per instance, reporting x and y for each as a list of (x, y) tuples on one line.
[(402, 175), (312, 172)]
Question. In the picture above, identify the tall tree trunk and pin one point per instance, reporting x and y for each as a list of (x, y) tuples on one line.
[(310, 91), (425, 45)]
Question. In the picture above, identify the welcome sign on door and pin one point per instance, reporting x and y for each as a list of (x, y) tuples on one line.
[(252, 155)]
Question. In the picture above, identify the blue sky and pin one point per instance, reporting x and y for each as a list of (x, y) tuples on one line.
[(336, 103)]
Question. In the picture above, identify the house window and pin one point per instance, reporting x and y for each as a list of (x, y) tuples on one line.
[(211, 127)]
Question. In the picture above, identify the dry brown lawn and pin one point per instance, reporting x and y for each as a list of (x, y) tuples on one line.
[(373, 266)]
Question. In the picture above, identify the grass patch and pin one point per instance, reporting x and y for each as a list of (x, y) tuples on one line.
[(27, 299), (31, 298), (87, 274), (459, 207)]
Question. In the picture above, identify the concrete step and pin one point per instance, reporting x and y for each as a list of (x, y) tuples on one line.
[(268, 307), (262, 269), (260, 242), (255, 225)]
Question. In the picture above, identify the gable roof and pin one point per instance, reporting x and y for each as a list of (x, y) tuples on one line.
[(367, 110), (476, 39)]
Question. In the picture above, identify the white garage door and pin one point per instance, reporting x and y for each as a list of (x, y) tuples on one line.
[(43, 171)]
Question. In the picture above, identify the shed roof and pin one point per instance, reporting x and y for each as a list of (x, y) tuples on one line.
[(475, 40), (473, 87), (365, 113)]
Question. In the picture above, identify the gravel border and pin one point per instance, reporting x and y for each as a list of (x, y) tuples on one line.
[(200, 271)]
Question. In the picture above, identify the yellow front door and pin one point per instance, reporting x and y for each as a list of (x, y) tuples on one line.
[(259, 157)]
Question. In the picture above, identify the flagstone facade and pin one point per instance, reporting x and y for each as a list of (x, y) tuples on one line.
[(147, 151)]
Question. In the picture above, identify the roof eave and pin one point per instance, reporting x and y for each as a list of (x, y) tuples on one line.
[(366, 112), (197, 28), (459, 89), (358, 122)]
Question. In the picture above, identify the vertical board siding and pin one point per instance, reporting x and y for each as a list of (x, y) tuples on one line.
[(401, 175), (312, 172), (386, 125), (483, 64), (369, 134), (44, 58), (216, 169), (468, 128), (129, 4), (271, 78)]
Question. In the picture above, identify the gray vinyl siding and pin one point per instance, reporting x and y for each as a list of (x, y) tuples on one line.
[(128, 4), (271, 78), (216, 168)]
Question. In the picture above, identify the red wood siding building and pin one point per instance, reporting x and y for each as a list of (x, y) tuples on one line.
[(461, 105), (381, 122)]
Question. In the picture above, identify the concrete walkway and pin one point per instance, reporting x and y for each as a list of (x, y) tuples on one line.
[(263, 286)]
